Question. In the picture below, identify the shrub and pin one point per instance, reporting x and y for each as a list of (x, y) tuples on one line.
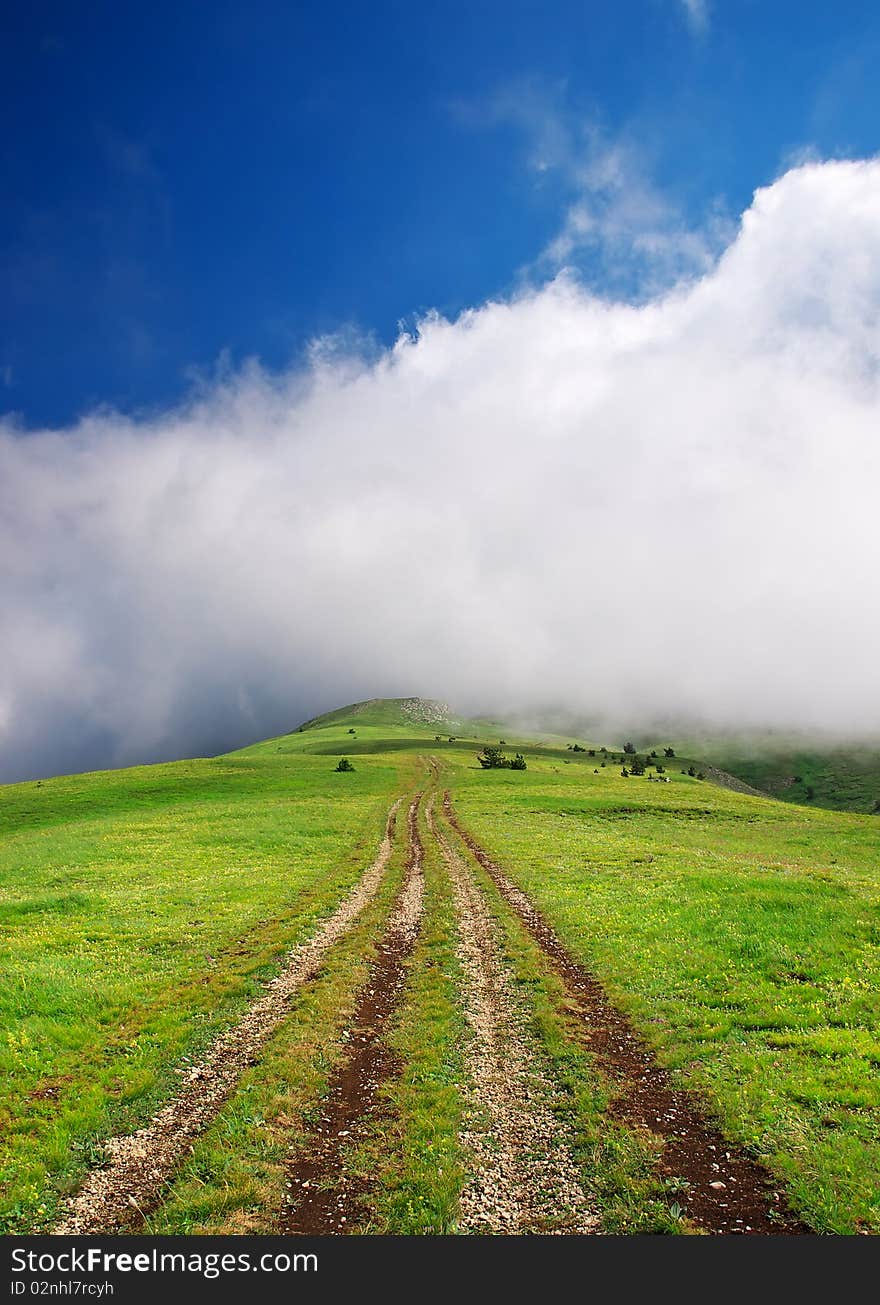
[(344, 765), (669, 752), (630, 748), (692, 770)]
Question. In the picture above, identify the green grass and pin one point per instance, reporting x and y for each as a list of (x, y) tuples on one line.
[(139, 911), (743, 937), (840, 779), (234, 1181)]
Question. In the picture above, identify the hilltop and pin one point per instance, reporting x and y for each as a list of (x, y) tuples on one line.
[(388, 711)]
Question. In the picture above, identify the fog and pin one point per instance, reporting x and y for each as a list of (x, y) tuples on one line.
[(665, 509)]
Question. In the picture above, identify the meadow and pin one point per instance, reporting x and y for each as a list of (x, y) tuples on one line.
[(743, 938), (142, 910), (139, 910)]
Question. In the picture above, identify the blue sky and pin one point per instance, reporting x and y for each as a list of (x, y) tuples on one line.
[(333, 336), (185, 182)]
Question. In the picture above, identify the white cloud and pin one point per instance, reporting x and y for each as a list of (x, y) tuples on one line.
[(668, 507), (638, 236), (619, 229)]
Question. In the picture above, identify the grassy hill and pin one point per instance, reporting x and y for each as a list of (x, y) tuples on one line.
[(839, 778), (142, 911)]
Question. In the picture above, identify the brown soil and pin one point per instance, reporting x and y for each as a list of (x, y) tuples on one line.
[(728, 1191), (322, 1199), (117, 1197)]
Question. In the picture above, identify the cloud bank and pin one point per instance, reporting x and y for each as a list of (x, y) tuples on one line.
[(668, 508)]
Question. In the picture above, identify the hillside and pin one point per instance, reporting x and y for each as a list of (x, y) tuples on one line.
[(839, 778), (426, 997)]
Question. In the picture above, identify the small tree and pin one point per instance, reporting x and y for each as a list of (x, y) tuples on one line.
[(692, 771), (630, 748), (669, 752), (492, 758), (638, 766), (344, 765)]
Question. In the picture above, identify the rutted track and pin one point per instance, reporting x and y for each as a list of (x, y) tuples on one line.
[(118, 1196), (321, 1198), (728, 1191), (523, 1177)]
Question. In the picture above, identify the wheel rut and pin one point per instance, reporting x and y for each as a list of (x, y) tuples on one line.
[(726, 1191), (118, 1196), (321, 1198), (523, 1178)]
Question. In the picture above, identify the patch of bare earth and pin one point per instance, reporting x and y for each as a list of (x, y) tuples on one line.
[(118, 1196), (523, 1176), (722, 1188), (321, 1198)]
